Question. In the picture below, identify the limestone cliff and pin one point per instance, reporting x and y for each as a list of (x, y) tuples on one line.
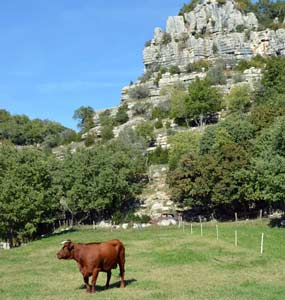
[(210, 31)]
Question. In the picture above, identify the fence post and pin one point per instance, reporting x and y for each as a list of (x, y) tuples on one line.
[(261, 243), (236, 239), (191, 228), (201, 229), (217, 232), (236, 216)]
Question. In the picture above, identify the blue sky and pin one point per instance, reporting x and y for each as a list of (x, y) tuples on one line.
[(57, 55)]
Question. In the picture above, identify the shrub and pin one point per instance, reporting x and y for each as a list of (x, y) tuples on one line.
[(174, 70), (198, 66), (107, 133), (161, 111), (240, 28), (89, 141), (257, 62), (166, 38), (139, 92), (215, 48), (216, 74), (157, 79), (221, 2), (158, 156), (146, 76), (188, 7), (145, 130), (239, 98), (237, 77), (158, 124), (122, 115), (147, 43), (140, 108), (105, 118)]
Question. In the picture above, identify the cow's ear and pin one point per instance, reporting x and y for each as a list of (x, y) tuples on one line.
[(70, 246)]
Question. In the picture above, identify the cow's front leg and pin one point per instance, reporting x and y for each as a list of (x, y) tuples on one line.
[(86, 282), (94, 279), (109, 273)]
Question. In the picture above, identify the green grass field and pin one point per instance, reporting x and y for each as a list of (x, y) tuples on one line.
[(161, 263)]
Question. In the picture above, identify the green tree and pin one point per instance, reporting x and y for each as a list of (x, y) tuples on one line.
[(84, 115), (239, 98), (202, 101)]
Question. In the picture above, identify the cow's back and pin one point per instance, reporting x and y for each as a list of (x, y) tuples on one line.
[(105, 255)]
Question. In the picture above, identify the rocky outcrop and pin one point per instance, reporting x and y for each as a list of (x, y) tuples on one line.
[(155, 199), (211, 30)]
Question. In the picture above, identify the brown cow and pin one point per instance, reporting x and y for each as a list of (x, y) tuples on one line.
[(93, 258)]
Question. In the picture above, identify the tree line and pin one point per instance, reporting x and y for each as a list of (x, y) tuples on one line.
[(236, 165), (37, 191)]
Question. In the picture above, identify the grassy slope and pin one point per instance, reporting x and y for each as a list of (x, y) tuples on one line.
[(161, 263)]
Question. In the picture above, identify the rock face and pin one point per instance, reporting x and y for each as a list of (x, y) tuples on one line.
[(211, 30), (155, 199)]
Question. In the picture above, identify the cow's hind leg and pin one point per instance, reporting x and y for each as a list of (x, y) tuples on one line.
[(122, 268), (109, 273), (94, 279), (86, 282)]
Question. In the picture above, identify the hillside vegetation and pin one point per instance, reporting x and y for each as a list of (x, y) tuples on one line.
[(216, 124)]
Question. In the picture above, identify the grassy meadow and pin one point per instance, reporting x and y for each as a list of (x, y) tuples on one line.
[(161, 263)]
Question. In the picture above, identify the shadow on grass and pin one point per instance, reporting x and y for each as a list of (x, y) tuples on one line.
[(100, 288)]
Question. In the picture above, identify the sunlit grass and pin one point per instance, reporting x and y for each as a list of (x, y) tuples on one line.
[(161, 263)]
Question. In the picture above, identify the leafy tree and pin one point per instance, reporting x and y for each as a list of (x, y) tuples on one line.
[(202, 100), (182, 143), (179, 107), (26, 199), (239, 98), (146, 131), (84, 115), (267, 175)]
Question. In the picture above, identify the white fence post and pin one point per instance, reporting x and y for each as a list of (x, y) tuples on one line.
[(262, 243)]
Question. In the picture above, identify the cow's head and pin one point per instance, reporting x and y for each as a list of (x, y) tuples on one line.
[(66, 251)]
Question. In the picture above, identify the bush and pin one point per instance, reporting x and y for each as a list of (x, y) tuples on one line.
[(122, 115), (89, 141), (158, 124), (141, 108), (107, 133), (188, 7), (216, 74), (198, 66), (257, 62), (161, 111), (158, 156), (221, 2), (174, 70), (139, 92), (240, 28), (157, 79), (147, 43), (215, 48), (166, 38), (239, 98), (145, 130), (146, 76)]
